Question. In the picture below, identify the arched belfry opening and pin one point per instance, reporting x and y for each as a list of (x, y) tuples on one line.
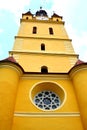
[(43, 47), (44, 69)]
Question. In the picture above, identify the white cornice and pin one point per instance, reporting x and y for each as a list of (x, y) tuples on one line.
[(45, 76), (43, 53), (40, 37), (42, 21), (47, 114)]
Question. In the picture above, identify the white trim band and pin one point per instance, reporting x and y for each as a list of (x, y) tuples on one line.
[(63, 114)]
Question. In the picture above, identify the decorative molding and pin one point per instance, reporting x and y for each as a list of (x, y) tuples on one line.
[(77, 69), (50, 114), (38, 37), (12, 66), (54, 84), (42, 21), (45, 76), (43, 53)]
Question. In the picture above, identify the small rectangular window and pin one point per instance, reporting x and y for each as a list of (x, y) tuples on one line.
[(34, 30), (43, 47), (50, 30)]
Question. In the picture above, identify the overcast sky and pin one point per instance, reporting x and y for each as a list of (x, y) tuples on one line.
[(73, 12)]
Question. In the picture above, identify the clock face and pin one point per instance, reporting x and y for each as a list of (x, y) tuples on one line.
[(42, 18)]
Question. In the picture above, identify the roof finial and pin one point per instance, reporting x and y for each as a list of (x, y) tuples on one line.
[(40, 7), (53, 12)]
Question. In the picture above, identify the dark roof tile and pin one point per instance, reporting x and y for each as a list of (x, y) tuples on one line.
[(11, 58), (28, 13), (79, 62), (55, 15)]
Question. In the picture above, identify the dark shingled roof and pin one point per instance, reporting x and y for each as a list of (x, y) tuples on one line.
[(79, 62), (41, 13), (28, 13), (11, 58), (55, 15)]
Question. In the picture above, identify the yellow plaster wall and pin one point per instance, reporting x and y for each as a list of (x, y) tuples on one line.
[(55, 63), (57, 18), (79, 79), (30, 44), (27, 16), (47, 123), (24, 102), (26, 29), (9, 78), (51, 45), (28, 116)]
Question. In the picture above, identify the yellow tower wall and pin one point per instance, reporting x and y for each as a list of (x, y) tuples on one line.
[(9, 78), (26, 29), (55, 63), (58, 56), (79, 79)]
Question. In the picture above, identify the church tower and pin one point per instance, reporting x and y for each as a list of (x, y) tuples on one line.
[(42, 42), (43, 83)]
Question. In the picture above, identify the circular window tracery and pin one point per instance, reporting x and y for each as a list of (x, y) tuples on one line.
[(47, 100)]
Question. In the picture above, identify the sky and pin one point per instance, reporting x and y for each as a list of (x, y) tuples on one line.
[(73, 12)]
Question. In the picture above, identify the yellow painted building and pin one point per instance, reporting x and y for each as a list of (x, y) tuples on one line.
[(43, 83)]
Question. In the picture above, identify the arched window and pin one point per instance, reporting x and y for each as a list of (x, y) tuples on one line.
[(42, 46), (51, 30), (34, 30), (27, 18), (44, 69)]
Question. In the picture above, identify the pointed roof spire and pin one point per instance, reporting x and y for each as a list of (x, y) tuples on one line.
[(28, 13), (56, 15)]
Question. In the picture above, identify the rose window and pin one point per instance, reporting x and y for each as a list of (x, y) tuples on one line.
[(47, 100)]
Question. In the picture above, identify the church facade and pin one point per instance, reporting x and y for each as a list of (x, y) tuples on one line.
[(43, 82)]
